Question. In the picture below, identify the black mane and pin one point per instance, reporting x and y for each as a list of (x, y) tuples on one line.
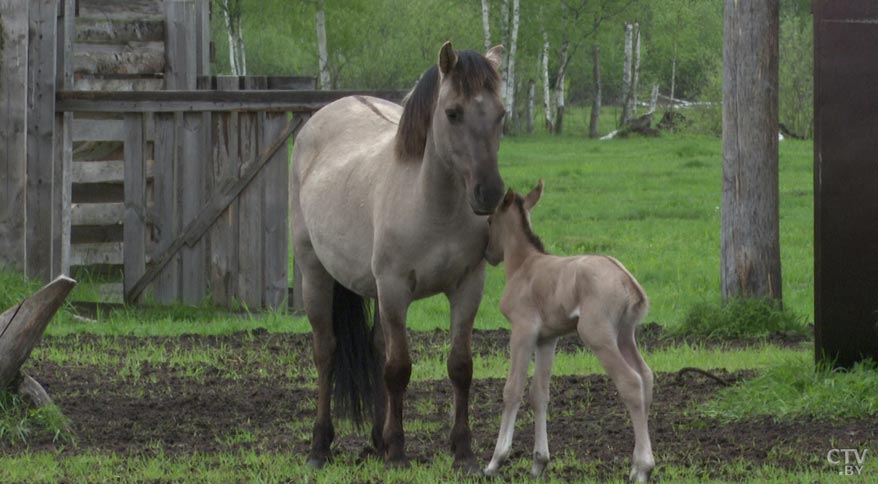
[(525, 225), (471, 74)]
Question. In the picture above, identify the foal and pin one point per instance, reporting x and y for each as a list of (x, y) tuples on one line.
[(547, 297)]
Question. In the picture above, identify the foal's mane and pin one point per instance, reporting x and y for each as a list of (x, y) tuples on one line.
[(525, 225), (471, 74)]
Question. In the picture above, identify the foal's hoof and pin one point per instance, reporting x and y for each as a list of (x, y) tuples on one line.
[(639, 476), (316, 463), (468, 467)]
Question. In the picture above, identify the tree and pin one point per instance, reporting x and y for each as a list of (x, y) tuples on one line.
[(750, 246), (232, 12), (322, 51), (486, 25), (510, 67), (596, 95)]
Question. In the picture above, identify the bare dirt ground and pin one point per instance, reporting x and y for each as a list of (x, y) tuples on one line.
[(163, 409)]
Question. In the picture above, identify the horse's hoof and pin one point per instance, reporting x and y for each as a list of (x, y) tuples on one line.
[(468, 467), (316, 463), (639, 476)]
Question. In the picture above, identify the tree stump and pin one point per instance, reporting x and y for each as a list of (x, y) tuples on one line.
[(21, 327)]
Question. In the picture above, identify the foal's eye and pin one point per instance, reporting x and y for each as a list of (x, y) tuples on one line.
[(454, 115)]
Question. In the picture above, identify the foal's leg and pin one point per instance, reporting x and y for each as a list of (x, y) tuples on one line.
[(628, 347), (464, 301), (521, 348), (393, 301), (601, 336), (317, 290), (539, 394)]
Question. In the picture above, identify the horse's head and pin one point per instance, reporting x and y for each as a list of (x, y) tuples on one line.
[(456, 108), (467, 122)]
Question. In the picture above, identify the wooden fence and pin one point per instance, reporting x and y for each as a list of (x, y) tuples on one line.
[(204, 175)]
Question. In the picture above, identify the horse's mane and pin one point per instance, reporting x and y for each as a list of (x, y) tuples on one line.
[(472, 73), (533, 238)]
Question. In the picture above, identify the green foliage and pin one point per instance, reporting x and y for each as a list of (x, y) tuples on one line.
[(739, 318), (796, 389), (14, 288), (19, 422), (796, 90)]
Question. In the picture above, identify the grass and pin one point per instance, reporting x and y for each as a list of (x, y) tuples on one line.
[(739, 318), (793, 388), (19, 422)]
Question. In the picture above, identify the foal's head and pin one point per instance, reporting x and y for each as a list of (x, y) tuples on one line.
[(510, 224), (458, 103)]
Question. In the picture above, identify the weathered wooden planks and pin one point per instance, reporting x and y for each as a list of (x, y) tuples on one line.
[(13, 133), (167, 225), (250, 263), (275, 238), (184, 101), (134, 232), (42, 260)]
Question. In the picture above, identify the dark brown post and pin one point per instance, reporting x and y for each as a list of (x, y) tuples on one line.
[(750, 259), (845, 180)]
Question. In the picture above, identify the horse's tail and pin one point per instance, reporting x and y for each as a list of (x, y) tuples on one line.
[(355, 360)]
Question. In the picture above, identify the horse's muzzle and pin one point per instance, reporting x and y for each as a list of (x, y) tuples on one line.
[(486, 197)]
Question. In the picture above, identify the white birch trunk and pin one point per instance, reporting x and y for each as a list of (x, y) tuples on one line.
[(504, 35), (653, 99), (510, 67), (596, 100), (559, 88), (233, 41), (673, 74), (635, 76), (626, 74), (242, 52), (486, 25), (322, 51), (547, 98)]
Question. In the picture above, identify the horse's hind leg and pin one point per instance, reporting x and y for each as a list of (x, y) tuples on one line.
[(464, 301), (628, 348), (539, 395), (601, 336), (317, 293)]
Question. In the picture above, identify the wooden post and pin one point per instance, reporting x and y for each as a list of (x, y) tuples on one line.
[(62, 182), (181, 41), (168, 222), (845, 205), (134, 231), (192, 194), (224, 233), (275, 214), (42, 262), (750, 246), (250, 239), (22, 325), (13, 133)]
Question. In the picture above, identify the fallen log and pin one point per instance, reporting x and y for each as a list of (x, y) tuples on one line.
[(21, 327)]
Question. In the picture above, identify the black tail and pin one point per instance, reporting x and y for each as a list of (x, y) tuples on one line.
[(355, 361)]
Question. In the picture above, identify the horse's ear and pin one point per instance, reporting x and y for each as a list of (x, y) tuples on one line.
[(534, 196), (447, 58), (507, 200), (495, 56)]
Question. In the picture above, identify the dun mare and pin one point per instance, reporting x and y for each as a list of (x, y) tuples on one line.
[(547, 297), (389, 203)]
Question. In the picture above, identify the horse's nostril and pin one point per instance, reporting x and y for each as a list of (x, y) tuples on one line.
[(480, 197)]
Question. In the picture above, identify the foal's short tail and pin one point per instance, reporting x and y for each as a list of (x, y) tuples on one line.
[(355, 360)]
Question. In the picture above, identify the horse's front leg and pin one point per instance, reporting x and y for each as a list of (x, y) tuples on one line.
[(521, 348), (464, 300), (394, 298)]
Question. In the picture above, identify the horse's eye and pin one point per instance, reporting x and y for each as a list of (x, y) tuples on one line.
[(501, 116), (454, 115)]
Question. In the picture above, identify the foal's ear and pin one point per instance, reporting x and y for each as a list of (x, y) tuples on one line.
[(447, 58), (495, 56), (507, 200), (534, 196)]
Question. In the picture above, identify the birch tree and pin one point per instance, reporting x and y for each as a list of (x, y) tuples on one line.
[(626, 74), (322, 51), (530, 106), (635, 71), (486, 25), (510, 66), (547, 99), (562, 70), (750, 244), (232, 11)]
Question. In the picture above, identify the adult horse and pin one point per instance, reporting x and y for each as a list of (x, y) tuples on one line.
[(389, 203)]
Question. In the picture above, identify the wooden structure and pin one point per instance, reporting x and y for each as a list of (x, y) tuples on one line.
[(184, 190), (845, 177), (21, 327)]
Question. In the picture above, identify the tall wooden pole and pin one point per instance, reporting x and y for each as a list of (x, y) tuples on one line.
[(750, 259)]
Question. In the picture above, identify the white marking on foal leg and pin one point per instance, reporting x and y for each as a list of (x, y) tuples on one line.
[(539, 392), (521, 345), (631, 390)]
